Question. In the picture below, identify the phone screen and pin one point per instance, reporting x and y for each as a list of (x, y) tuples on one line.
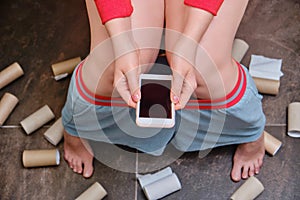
[(155, 99)]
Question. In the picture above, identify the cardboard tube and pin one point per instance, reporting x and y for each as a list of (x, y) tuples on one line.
[(7, 104), (272, 144), (94, 192), (151, 178), (267, 86), (37, 119), (55, 133), (65, 66), (162, 187), (249, 190), (239, 49), (40, 158), (294, 119), (10, 73)]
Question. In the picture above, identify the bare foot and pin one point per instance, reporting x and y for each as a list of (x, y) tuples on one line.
[(79, 155), (248, 159)]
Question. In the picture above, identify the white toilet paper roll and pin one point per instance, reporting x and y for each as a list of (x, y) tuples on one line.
[(151, 178), (162, 187)]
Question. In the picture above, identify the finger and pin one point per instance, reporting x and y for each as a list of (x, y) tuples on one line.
[(132, 77), (188, 88), (176, 87), (120, 83)]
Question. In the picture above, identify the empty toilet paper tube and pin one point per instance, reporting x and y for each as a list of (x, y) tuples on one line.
[(54, 134), (272, 144), (294, 119), (248, 190), (10, 73), (65, 67), (94, 192), (239, 49), (162, 187), (37, 119), (7, 104), (41, 158), (267, 86)]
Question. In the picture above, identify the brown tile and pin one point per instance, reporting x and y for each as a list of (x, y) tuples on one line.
[(52, 182), (40, 33)]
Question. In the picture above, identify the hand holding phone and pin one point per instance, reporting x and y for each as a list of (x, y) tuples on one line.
[(155, 108)]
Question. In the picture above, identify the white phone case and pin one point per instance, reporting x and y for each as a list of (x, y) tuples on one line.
[(155, 122)]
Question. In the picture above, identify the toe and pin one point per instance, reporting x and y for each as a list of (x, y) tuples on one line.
[(88, 169), (236, 172), (70, 163), (256, 167), (245, 171), (260, 162), (77, 166), (251, 170)]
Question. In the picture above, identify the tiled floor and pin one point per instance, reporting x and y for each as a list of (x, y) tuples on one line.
[(38, 33)]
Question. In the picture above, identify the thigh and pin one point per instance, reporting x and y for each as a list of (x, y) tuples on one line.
[(218, 38)]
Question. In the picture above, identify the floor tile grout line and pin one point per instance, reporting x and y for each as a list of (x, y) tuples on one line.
[(136, 174), (19, 126), (268, 125)]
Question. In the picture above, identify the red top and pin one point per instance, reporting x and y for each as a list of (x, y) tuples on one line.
[(110, 9), (211, 6)]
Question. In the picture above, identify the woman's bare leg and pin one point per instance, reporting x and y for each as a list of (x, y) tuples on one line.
[(98, 76), (216, 68), (79, 155)]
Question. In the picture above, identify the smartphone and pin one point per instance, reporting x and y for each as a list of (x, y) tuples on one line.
[(155, 108)]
